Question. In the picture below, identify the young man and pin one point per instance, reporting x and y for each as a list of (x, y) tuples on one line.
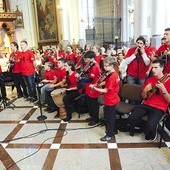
[(164, 51), (28, 70), (15, 59), (111, 97), (156, 95), (137, 59)]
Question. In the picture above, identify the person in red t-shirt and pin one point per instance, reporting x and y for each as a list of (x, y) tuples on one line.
[(15, 60), (99, 57), (92, 96), (70, 55), (49, 76), (156, 95), (71, 88), (163, 51), (111, 97), (138, 62), (59, 80), (28, 70)]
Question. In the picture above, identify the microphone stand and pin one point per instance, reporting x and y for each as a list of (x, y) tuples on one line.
[(41, 117)]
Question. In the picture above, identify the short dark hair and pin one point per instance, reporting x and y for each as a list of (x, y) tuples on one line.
[(15, 44), (167, 29), (24, 41), (141, 39), (62, 60), (90, 54), (161, 62)]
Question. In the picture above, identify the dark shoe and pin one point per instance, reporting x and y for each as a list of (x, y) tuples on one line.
[(92, 123), (19, 96), (28, 99), (33, 99), (106, 138), (25, 96), (153, 135), (147, 136), (46, 109), (67, 119), (5, 98), (51, 110), (89, 119)]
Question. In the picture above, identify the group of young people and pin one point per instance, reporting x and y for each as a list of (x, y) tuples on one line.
[(145, 66)]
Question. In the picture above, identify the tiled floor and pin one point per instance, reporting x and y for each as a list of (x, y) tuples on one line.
[(29, 144)]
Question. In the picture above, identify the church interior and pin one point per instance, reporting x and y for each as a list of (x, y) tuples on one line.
[(36, 138)]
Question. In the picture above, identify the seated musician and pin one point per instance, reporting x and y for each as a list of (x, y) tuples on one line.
[(93, 72), (49, 76), (111, 97), (71, 88), (59, 81), (156, 95)]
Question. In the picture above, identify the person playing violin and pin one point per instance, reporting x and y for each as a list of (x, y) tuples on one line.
[(156, 98), (111, 97)]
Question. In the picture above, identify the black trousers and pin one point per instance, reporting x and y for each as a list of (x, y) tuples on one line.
[(154, 116), (110, 116), (93, 106), (69, 101), (19, 82), (2, 86)]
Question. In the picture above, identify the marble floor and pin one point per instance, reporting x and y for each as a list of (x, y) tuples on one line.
[(29, 144)]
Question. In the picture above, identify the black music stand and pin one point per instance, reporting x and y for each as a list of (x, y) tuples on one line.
[(41, 117)]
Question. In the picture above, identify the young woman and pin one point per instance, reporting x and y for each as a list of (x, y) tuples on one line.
[(71, 89)]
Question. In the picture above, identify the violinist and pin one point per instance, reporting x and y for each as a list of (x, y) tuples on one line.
[(154, 105), (93, 72), (15, 64), (111, 97)]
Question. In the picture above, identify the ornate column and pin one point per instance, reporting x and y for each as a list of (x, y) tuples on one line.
[(158, 22), (140, 18)]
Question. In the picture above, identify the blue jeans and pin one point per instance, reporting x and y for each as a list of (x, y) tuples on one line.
[(133, 80), (30, 82)]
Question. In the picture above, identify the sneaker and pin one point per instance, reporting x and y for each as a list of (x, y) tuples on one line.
[(106, 138)]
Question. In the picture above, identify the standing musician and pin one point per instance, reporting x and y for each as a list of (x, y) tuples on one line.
[(15, 67), (28, 70), (71, 89), (164, 51), (111, 97), (156, 95), (92, 96), (137, 59)]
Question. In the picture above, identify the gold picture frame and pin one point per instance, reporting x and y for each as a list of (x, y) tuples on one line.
[(19, 22), (45, 11)]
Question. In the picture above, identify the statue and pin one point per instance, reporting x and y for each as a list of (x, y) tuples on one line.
[(1, 6)]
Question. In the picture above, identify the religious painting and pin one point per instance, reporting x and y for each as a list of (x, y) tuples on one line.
[(46, 20)]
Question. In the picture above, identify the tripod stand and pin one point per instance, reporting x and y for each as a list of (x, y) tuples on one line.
[(41, 117)]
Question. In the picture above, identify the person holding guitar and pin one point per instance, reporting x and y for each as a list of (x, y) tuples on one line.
[(156, 99)]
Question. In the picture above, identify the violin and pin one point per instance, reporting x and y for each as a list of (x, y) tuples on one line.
[(102, 77), (154, 88), (86, 68)]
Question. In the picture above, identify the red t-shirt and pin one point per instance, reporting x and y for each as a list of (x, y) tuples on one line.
[(60, 74), (49, 75), (61, 54), (72, 81), (162, 48), (151, 49), (71, 57), (157, 100), (27, 59), (111, 98), (99, 59), (94, 73), (0, 70), (17, 65), (137, 67)]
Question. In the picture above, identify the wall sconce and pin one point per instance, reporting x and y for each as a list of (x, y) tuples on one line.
[(131, 9)]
